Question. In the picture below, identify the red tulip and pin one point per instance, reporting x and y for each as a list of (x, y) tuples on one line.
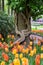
[(5, 56), (37, 60)]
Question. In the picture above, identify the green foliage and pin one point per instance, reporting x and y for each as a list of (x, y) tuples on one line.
[(35, 7), (38, 17), (17, 5), (6, 24)]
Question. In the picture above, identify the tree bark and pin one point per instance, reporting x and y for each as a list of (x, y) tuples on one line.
[(0, 4), (3, 5), (17, 19), (27, 20)]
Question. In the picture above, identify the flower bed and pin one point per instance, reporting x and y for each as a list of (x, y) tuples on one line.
[(17, 54)]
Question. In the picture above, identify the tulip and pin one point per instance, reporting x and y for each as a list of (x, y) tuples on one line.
[(41, 55), (31, 43), (1, 44), (25, 61), (13, 36), (11, 64), (26, 50), (31, 53), (34, 50), (5, 56), (41, 48), (16, 55), (14, 51), (37, 60), (23, 50), (16, 61), (21, 56), (2, 39), (30, 47), (39, 42), (18, 46), (6, 49), (2, 63), (9, 36)]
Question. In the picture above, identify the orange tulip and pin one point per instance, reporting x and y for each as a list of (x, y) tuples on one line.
[(6, 49), (39, 42), (37, 60), (25, 61), (5, 56), (13, 36), (30, 47), (11, 63), (1, 45)]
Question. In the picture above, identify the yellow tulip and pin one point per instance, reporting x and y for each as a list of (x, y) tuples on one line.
[(34, 50), (8, 36), (26, 51), (21, 56), (19, 47), (11, 45), (25, 61), (23, 50), (41, 48), (2, 39), (31, 53), (14, 51), (42, 56), (16, 62), (6, 49), (2, 63), (16, 55), (31, 43)]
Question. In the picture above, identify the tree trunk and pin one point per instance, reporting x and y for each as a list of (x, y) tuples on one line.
[(3, 5), (27, 21), (22, 21), (17, 19), (0, 4)]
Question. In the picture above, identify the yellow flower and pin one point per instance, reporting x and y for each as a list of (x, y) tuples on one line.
[(21, 56), (9, 36), (12, 36), (16, 55), (14, 51), (16, 62), (2, 39), (18, 47), (2, 63), (11, 45), (31, 53), (42, 56), (6, 49), (41, 48), (26, 51), (25, 61), (31, 42), (23, 50), (34, 50)]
